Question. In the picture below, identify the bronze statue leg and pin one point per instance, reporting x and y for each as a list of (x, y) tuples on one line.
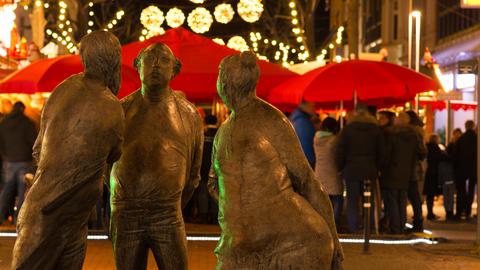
[(73, 254), (169, 246), (128, 238)]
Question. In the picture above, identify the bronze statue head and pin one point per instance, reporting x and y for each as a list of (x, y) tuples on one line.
[(237, 78), (101, 56), (157, 66)]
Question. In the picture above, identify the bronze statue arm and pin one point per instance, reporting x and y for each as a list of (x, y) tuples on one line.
[(194, 176), (212, 184), (303, 180)]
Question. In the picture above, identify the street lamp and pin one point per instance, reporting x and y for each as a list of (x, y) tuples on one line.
[(417, 16)]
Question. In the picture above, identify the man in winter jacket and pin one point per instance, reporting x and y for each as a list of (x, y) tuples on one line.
[(304, 128), (465, 163), (17, 136), (359, 157), (404, 149)]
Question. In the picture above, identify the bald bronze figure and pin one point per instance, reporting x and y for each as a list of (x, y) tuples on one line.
[(81, 132), (159, 168), (272, 212)]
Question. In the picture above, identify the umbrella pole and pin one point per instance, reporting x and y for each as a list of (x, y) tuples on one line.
[(355, 99), (341, 114), (478, 167), (449, 126)]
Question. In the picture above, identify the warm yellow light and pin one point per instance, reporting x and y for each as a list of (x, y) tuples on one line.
[(61, 17), (110, 26), (60, 26), (416, 14), (291, 4), (89, 31), (90, 4), (91, 13), (294, 13), (90, 23), (294, 21), (46, 5), (38, 3), (330, 46)]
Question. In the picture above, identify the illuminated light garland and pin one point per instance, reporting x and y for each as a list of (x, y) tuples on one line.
[(157, 31), (175, 17), (118, 16), (219, 41), (255, 38), (298, 32), (151, 17), (200, 20), (197, 1), (250, 10), (238, 43), (217, 238), (224, 13)]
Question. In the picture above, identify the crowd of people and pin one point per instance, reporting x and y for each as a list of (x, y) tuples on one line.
[(392, 151)]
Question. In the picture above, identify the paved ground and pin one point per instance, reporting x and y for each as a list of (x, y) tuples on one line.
[(457, 252)]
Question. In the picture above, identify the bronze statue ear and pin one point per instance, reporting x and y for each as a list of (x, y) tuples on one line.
[(136, 61), (177, 66)]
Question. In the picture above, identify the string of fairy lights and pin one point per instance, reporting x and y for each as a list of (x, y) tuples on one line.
[(64, 27), (331, 45), (200, 21)]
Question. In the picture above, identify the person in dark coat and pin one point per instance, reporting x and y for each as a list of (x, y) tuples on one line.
[(304, 128), (465, 162), (17, 136), (415, 187), (404, 148), (359, 156), (432, 185)]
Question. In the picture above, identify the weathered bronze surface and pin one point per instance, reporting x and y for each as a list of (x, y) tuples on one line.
[(159, 168), (272, 212), (81, 132)]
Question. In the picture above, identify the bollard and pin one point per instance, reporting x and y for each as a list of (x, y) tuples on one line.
[(367, 204)]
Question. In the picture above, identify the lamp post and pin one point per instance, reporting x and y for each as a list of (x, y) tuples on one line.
[(417, 16)]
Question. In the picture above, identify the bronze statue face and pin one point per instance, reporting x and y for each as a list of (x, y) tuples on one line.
[(101, 55), (157, 66)]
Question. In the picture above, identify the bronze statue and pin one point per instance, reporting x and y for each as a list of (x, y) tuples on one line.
[(272, 212), (81, 132), (159, 168)]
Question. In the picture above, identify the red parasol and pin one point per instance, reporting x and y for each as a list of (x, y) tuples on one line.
[(375, 83), (200, 57), (44, 75)]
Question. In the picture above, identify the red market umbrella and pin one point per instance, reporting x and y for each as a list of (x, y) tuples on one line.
[(44, 75), (375, 83), (200, 57)]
